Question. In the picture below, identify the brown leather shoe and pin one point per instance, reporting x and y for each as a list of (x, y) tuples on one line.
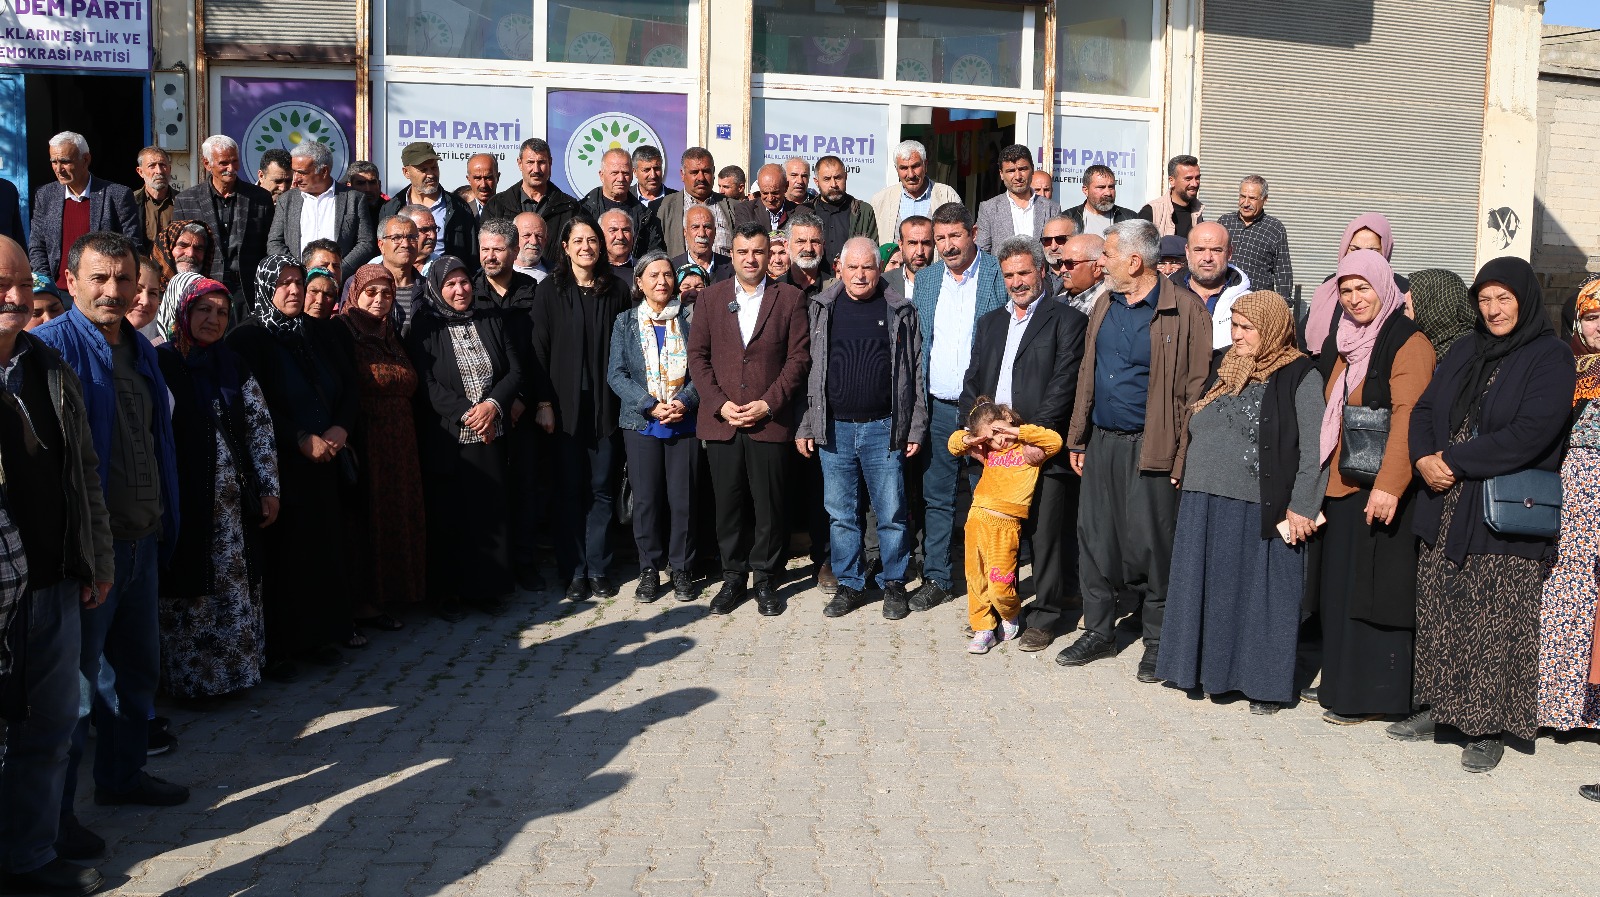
[(827, 583), (1034, 639)]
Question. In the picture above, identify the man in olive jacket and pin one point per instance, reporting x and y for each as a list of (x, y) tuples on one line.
[(1130, 429)]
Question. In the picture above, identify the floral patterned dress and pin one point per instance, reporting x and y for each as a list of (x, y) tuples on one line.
[(392, 532), (1567, 700), (215, 644)]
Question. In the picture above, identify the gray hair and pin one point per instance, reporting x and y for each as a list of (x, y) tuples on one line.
[(504, 228), (801, 218), (316, 151), (861, 244), (908, 148), (416, 208), (72, 137), (648, 259), (383, 223), (609, 212), (1011, 247), (214, 143), (1257, 180), (1137, 237)]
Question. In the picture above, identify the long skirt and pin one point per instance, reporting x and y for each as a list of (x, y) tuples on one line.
[(1366, 667), (469, 524), (1478, 636), (1233, 602), (307, 599), (1567, 700)]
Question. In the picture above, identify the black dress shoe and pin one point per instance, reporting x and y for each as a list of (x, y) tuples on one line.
[(928, 596), (578, 589), (1589, 792), (683, 586), (1418, 726), (649, 588), (55, 877), (1147, 665), (845, 600), (896, 603), (730, 596), (1309, 694), (603, 587), (767, 601), (1089, 647), (1483, 755), (148, 792), (74, 842), (1265, 708)]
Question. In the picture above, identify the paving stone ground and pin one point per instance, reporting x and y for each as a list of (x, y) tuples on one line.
[(612, 748)]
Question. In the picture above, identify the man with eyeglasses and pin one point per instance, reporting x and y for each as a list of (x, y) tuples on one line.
[(397, 243), (456, 228), (1082, 280), (1053, 237)]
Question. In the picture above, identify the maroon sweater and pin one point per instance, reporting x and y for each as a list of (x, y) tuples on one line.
[(74, 224)]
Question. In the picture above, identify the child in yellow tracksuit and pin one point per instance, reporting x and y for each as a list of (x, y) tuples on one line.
[(1011, 452)]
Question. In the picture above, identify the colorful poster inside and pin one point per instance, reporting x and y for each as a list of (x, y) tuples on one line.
[(1122, 146), (855, 132), (103, 35), (272, 113), (584, 124), (460, 121)]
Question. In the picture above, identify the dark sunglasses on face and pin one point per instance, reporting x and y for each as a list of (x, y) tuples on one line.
[(1055, 240)]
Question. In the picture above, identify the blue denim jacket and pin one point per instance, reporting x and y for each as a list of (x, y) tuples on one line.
[(86, 351)]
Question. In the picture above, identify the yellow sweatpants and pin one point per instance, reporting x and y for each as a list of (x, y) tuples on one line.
[(991, 568)]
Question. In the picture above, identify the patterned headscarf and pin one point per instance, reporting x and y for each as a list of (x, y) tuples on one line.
[(181, 336), (1327, 294), (267, 274), (1356, 341), (1442, 308), (1587, 303), (1269, 312), (211, 367), (366, 328), (438, 273), (171, 298), (168, 238)]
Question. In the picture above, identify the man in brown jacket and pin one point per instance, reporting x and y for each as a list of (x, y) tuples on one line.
[(1146, 357), (749, 352)]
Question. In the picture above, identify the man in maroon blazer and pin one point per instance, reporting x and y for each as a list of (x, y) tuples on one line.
[(749, 353)]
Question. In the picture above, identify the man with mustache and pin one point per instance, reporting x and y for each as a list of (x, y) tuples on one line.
[(456, 228), (532, 235), (74, 204), (617, 229), (616, 192), (535, 192), (699, 238), (1099, 209), (130, 425), (238, 214), (1180, 208), (810, 274), (769, 206), (1082, 281), (649, 177), (842, 215), (58, 552), (695, 166), (916, 253), (156, 195), (915, 194), (1026, 355), (951, 295)]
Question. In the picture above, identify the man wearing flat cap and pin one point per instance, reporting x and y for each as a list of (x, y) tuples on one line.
[(458, 227)]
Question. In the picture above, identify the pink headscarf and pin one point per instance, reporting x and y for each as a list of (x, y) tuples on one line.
[(1327, 295), (1356, 341)]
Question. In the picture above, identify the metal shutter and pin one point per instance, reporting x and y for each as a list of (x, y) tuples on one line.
[(1348, 108), (304, 31)]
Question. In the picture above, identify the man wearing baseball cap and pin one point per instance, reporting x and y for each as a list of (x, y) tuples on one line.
[(458, 228)]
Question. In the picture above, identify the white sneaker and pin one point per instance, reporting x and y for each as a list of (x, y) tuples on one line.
[(982, 641), (1009, 631)]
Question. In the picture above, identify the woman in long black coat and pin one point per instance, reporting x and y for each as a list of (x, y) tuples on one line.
[(470, 376), (573, 313), (307, 374)]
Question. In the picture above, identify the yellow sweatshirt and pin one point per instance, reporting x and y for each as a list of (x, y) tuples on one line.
[(1008, 480)]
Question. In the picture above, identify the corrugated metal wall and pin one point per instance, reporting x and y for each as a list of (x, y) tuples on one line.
[(1345, 108), (276, 23)]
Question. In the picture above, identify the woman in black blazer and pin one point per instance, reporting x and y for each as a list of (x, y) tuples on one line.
[(573, 313), (470, 378), (1498, 404)]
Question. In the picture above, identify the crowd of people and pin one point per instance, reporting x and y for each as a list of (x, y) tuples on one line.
[(293, 415)]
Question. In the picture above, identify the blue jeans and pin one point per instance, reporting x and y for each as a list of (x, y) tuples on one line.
[(939, 493), (857, 451), (124, 629), (34, 765)]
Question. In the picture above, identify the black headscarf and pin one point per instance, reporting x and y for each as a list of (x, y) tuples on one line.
[(438, 272), (1532, 322)]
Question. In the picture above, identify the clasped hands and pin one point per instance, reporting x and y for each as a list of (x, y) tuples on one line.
[(746, 415)]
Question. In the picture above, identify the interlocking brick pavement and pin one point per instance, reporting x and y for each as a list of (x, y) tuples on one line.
[(613, 748)]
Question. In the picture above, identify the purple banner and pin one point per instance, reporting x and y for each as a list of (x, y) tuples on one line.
[(271, 113), (583, 124)]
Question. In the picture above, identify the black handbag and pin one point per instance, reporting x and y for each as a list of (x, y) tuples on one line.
[(1525, 503), (1366, 433)]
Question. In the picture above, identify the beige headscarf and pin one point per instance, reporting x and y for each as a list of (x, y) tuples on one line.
[(1269, 312)]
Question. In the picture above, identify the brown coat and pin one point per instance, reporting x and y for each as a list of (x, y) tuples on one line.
[(772, 368), (1180, 362), (1413, 368)]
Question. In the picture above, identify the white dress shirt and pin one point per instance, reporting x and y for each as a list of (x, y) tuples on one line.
[(952, 333), (318, 217), (749, 308), (1022, 217), (1015, 327)]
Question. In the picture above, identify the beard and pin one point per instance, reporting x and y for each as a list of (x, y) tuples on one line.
[(1104, 206), (807, 264)]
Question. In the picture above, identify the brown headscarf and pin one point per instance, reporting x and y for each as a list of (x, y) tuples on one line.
[(370, 330), (1269, 312), (168, 238)]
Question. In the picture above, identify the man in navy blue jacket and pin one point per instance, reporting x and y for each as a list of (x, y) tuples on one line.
[(125, 400)]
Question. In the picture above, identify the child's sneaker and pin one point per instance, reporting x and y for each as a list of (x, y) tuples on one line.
[(1009, 630), (982, 641)]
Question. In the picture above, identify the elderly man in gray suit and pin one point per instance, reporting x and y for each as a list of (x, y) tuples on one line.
[(316, 208), (1019, 211), (76, 204)]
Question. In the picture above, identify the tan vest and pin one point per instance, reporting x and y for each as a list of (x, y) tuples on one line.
[(1161, 213)]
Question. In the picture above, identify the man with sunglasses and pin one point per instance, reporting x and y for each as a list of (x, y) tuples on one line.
[(1053, 237), (1082, 280)]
